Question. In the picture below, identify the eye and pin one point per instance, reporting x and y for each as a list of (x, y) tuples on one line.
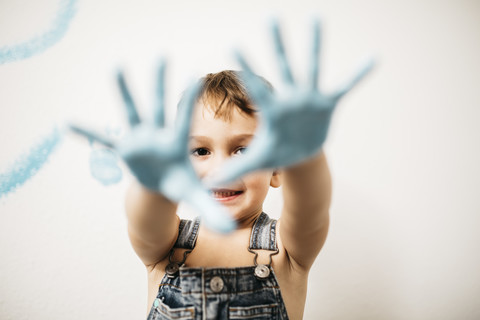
[(200, 152), (240, 150)]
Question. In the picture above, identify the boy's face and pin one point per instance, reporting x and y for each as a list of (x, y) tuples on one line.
[(215, 140)]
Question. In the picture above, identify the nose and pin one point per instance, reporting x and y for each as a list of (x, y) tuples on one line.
[(215, 162)]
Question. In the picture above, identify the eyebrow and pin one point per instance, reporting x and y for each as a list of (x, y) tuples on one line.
[(235, 137)]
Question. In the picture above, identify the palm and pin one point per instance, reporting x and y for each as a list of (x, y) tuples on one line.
[(152, 154), (158, 156), (295, 129), (294, 123)]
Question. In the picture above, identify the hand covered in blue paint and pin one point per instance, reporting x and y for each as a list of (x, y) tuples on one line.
[(159, 156), (294, 122)]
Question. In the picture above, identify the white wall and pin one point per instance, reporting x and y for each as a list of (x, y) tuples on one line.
[(403, 149)]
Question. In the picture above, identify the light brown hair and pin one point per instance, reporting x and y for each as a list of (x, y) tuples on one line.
[(225, 90)]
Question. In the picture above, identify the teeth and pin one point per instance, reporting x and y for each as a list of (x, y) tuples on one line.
[(226, 194)]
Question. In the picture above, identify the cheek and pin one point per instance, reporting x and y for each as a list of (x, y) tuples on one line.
[(259, 182), (199, 166)]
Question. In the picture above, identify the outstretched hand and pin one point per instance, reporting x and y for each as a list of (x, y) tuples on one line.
[(158, 157), (293, 123)]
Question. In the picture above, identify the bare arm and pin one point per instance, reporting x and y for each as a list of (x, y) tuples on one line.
[(294, 126), (158, 157), (307, 190), (152, 223)]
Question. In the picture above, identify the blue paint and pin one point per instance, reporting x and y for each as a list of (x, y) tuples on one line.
[(104, 166), (159, 157), (43, 41), (295, 122), (29, 163)]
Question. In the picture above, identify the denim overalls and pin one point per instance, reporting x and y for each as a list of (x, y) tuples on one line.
[(221, 293)]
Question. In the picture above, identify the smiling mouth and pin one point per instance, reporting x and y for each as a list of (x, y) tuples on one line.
[(224, 194)]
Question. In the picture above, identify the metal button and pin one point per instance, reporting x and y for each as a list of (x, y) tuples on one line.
[(216, 284), (172, 269), (262, 271)]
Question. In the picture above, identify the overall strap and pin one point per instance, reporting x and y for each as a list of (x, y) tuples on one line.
[(187, 234), (263, 234)]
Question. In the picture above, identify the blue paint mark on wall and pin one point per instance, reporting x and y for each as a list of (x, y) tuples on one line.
[(104, 166), (29, 163), (43, 41)]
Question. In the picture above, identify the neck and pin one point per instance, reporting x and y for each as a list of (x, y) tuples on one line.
[(247, 221)]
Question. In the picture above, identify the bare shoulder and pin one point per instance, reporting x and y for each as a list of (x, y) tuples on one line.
[(283, 262), (292, 278), (293, 261)]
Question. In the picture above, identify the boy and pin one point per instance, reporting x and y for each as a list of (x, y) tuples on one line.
[(223, 124), (259, 270)]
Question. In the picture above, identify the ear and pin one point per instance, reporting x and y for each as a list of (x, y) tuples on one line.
[(276, 180)]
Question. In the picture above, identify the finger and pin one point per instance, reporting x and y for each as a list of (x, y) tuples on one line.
[(258, 90), (213, 215), (364, 69), (185, 112), (314, 70), (92, 135), (231, 172), (256, 158), (132, 113), (159, 112), (280, 52)]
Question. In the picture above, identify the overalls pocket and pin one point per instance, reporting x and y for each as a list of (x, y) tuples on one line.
[(163, 312), (259, 312)]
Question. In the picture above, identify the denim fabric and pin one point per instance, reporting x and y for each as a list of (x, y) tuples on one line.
[(187, 234), (263, 233), (222, 293)]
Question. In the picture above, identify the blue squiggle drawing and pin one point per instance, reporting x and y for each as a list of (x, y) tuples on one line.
[(28, 164), (41, 42)]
